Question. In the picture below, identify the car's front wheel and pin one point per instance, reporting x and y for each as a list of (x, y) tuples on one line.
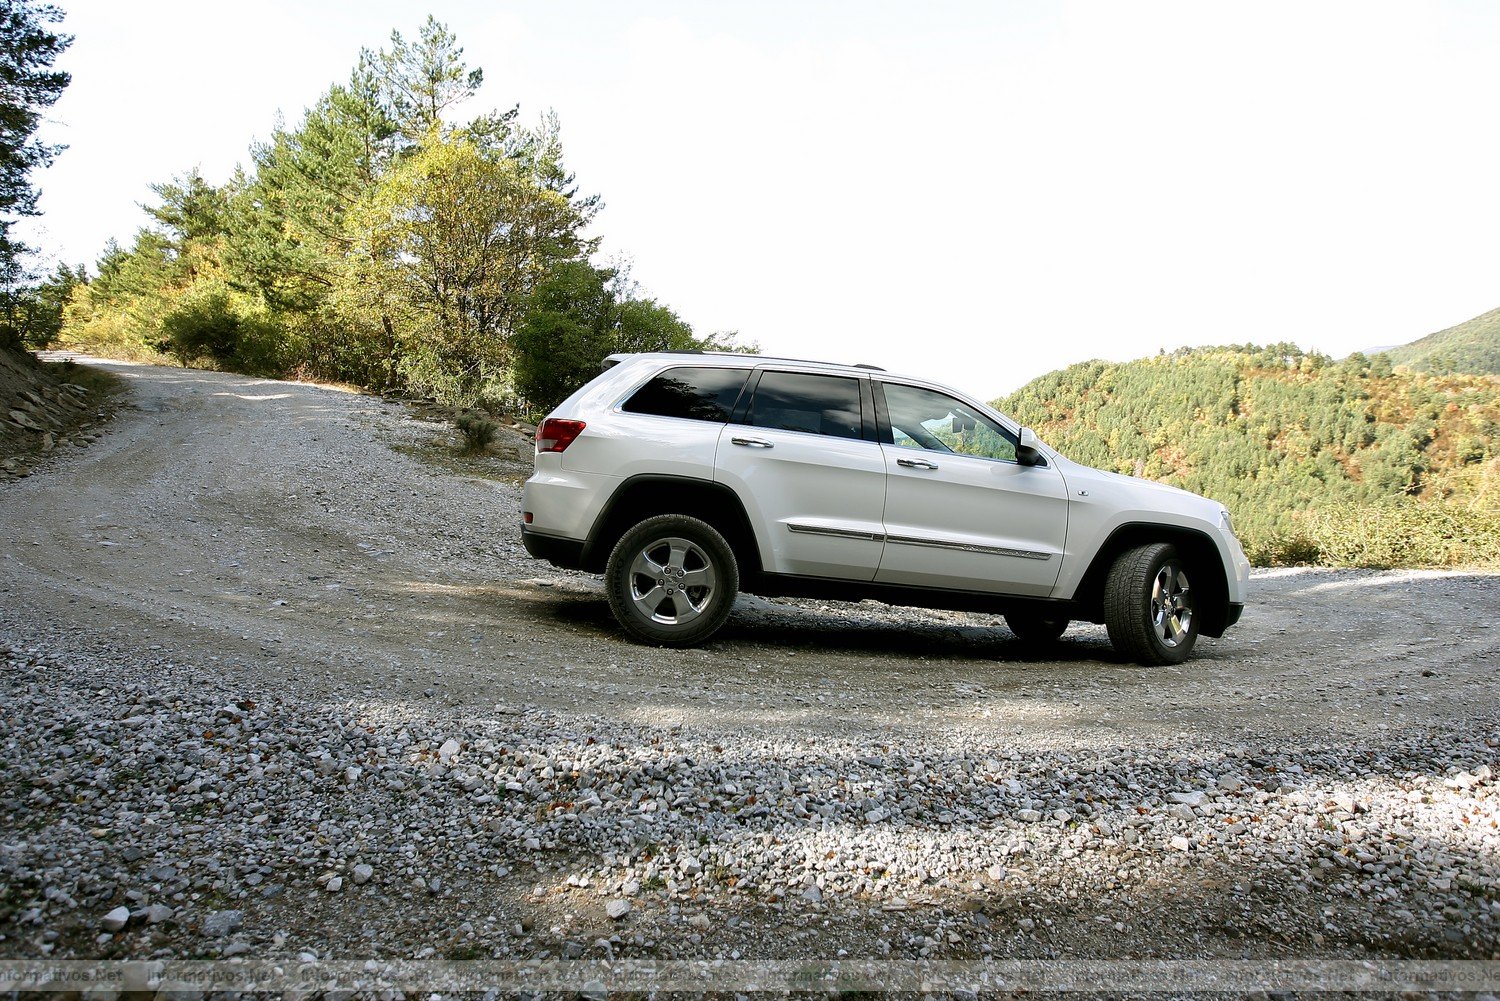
[(671, 580), (1149, 605)]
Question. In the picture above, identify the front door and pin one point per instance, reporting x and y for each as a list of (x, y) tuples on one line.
[(960, 512)]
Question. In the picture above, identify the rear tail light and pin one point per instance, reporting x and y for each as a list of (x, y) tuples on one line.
[(556, 435)]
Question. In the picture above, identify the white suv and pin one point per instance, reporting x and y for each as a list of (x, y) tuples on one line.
[(686, 478)]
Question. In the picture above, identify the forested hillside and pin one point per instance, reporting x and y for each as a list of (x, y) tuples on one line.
[(1471, 346), (379, 241), (1346, 462)]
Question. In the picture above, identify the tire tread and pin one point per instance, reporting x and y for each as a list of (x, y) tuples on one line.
[(1124, 591)]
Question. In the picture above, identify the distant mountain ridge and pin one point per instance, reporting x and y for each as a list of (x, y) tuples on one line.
[(1470, 347), (1284, 437)]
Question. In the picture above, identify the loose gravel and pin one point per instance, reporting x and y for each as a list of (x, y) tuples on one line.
[(276, 685)]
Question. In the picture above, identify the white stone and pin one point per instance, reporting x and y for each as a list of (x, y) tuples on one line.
[(1195, 799)]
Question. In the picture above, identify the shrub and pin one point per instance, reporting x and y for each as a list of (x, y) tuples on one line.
[(1405, 532), (478, 431), (209, 322), (1286, 551)]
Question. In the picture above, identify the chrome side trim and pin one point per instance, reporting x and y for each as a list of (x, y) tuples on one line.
[(836, 533), (966, 547), (908, 540)]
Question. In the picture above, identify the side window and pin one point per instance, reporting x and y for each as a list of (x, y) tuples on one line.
[(698, 394), (922, 418), (816, 404)]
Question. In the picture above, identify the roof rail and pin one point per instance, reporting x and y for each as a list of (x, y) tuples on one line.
[(614, 359)]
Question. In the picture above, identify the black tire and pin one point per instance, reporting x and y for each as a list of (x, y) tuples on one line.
[(1036, 630), (650, 580), (1148, 605)]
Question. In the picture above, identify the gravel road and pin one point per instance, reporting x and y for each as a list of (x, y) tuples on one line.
[(278, 678)]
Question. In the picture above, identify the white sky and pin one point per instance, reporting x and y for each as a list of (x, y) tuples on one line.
[(977, 192)]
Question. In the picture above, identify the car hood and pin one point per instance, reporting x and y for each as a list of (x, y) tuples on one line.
[(1132, 490)]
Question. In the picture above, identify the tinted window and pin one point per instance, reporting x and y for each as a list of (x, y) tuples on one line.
[(922, 418), (817, 404), (699, 394)]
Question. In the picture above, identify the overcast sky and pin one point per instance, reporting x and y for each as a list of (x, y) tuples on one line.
[(976, 192)]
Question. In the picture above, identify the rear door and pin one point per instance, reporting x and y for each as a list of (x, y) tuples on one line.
[(960, 512), (801, 453)]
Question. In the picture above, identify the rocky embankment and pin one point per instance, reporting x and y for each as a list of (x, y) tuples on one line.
[(41, 411)]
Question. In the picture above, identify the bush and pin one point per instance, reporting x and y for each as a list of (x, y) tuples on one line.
[(1293, 550), (210, 322), (478, 431), (1405, 533)]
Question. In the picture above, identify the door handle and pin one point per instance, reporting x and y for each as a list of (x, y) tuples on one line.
[(916, 463), (752, 442)]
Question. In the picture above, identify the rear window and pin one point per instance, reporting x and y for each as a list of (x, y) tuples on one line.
[(815, 404), (696, 394)]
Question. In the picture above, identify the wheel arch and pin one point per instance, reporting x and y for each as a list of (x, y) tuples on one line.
[(648, 494), (1198, 549)]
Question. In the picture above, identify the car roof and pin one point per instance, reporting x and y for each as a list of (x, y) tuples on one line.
[(733, 359)]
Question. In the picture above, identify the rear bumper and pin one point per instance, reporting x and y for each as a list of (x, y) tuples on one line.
[(567, 553)]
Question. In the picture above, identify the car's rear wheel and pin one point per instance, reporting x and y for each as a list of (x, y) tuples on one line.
[(1149, 605), (1035, 629), (671, 580)]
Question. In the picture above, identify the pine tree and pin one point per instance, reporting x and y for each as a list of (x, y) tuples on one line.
[(419, 80), (28, 86)]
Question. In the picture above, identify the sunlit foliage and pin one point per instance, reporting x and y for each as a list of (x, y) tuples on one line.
[(381, 242), (1309, 454)]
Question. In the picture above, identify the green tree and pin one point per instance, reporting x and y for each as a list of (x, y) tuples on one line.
[(420, 80), (378, 242), (31, 314), (147, 298), (28, 86), (579, 316), (566, 334), (290, 223), (461, 239)]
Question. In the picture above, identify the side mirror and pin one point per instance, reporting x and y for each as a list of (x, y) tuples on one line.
[(1028, 449)]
